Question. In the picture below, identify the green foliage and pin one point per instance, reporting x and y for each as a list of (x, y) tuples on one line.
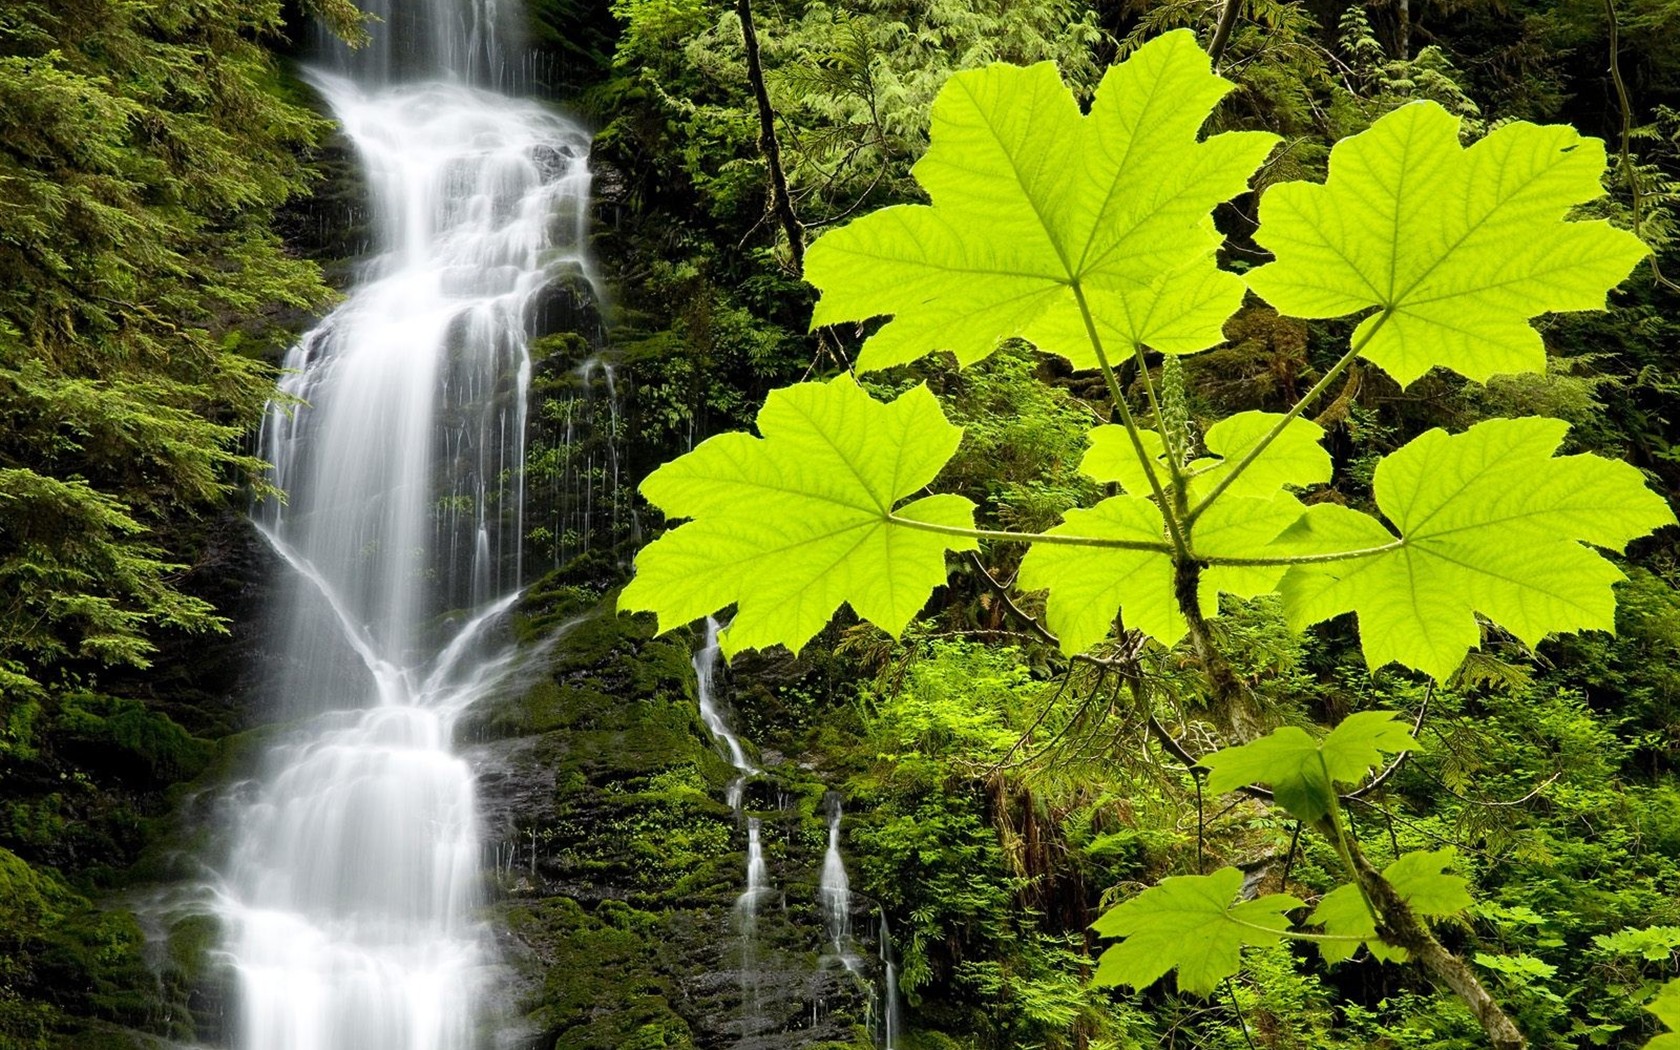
[(1032, 231), (1114, 557), (1004, 145), (1457, 258), (1022, 441), (1304, 772), (1188, 923), (1490, 521), (792, 524), (63, 963), (1667, 1008), (1295, 458), (1655, 944), (1421, 879), (147, 147), (1036, 211)]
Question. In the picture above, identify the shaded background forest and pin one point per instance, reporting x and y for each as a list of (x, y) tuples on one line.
[(176, 210)]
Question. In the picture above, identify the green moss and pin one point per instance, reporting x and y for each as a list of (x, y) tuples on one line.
[(127, 737), (62, 958), (606, 991)]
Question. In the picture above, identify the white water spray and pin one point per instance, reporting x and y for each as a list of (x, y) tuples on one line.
[(891, 1022), (835, 888), (349, 897), (705, 677), (746, 914)]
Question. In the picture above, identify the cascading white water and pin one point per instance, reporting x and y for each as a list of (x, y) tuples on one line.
[(835, 888), (746, 913), (758, 873), (611, 484), (705, 678), (348, 900), (891, 1022)]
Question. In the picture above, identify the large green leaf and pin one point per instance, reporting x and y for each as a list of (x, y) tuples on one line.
[(1667, 1008), (1035, 205), (791, 524), (1296, 458), (1459, 247), (1188, 923), (1419, 877), (1303, 772), (1490, 521), (1089, 584)]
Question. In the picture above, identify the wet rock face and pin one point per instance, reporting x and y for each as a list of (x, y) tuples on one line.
[(614, 863), (333, 224)]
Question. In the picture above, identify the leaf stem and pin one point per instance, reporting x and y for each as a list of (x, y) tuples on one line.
[(1343, 849), (1179, 547), (1309, 559), (1296, 935), (1032, 537), (1308, 398)]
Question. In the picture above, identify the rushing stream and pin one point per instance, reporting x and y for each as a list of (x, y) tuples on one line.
[(350, 890)]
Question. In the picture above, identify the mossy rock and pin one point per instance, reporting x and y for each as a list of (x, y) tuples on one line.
[(61, 959), (603, 989)]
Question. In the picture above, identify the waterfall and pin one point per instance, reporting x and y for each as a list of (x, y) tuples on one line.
[(349, 895), (611, 482), (835, 888), (746, 913), (705, 678), (758, 874), (891, 1023)]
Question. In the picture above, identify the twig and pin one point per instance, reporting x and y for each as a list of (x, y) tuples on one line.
[(1222, 31), (1626, 152), (780, 202)]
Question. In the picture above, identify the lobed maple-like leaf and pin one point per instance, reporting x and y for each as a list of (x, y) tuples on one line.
[(1188, 923), (1667, 1008), (1035, 205), (1459, 248), (1489, 521), (1419, 877), (1296, 459), (790, 525), (1089, 584), (1303, 772)]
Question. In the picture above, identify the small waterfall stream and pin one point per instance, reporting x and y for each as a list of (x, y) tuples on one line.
[(835, 889), (834, 894), (746, 916), (891, 1017), (705, 677), (348, 898)]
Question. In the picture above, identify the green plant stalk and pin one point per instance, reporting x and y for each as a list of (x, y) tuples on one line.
[(1174, 466), (1181, 548), (1344, 847), (1300, 406), (1399, 926), (1064, 540), (1308, 559), (1301, 935), (1031, 537)]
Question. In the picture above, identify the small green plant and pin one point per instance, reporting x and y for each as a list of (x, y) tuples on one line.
[(1090, 235)]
